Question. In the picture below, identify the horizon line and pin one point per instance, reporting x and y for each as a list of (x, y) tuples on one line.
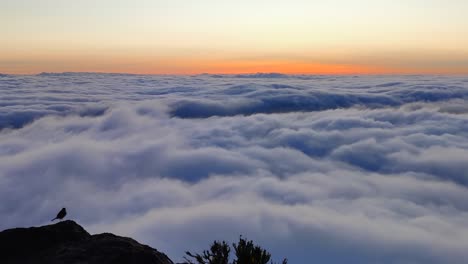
[(240, 73)]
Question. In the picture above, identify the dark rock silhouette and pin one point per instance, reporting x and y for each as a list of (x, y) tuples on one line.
[(67, 242), (61, 214)]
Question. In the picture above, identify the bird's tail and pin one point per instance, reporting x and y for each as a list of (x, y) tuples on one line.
[(53, 219)]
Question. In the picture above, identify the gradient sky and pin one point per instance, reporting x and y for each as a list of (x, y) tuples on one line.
[(223, 36)]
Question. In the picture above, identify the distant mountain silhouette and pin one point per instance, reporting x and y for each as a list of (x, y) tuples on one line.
[(262, 75)]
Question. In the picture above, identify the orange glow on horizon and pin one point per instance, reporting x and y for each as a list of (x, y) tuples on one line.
[(286, 67), (221, 36), (138, 65)]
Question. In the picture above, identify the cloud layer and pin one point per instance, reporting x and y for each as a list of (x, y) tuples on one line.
[(326, 169)]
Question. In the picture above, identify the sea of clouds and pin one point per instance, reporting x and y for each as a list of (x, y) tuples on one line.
[(318, 169)]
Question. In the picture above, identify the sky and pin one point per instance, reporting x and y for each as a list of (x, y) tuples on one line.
[(316, 169), (221, 36)]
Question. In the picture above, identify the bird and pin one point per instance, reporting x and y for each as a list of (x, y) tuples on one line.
[(61, 214)]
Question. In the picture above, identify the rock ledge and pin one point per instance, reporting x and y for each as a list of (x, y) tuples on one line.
[(68, 242)]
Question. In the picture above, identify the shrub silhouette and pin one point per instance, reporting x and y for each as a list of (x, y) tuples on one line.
[(246, 253), (218, 254)]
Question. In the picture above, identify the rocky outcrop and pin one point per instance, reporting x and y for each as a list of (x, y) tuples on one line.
[(67, 242)]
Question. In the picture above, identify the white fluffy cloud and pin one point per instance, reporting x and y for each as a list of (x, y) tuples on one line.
[(316, 169)]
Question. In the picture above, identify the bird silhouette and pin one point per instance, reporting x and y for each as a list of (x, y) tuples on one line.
[(61, 214)]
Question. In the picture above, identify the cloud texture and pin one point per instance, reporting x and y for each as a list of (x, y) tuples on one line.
[(318, 169)]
